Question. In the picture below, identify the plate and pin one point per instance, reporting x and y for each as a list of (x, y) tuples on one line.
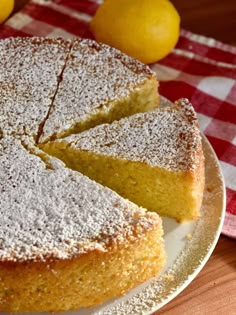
[(188, 245)]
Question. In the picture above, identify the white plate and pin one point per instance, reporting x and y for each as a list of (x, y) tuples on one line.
[(188, 246)]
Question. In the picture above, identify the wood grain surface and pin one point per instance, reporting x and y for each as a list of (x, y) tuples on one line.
[(214, 18), (213, 291)]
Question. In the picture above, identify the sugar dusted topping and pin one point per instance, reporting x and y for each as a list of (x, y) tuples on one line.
[(95, 75), (57, 212), (30, 68), (47, 210), (167, 138)]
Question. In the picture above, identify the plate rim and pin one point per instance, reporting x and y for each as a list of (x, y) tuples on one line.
[(107, 310), (213, 244)]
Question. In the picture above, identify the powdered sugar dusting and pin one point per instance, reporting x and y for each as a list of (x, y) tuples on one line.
[(95, 75), (58, 213), (166, 137), (46, 209), (30, 68)]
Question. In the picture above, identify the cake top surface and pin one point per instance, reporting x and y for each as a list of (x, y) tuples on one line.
[(48, 211), (30, 68), (95, 74), (167, 137), (40, 75)]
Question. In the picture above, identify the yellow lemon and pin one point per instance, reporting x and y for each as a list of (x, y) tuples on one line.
[(144, 29), (6, 7)]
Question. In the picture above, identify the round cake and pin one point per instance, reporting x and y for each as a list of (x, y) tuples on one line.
[(80, 133), (154, 159), (66, 241)]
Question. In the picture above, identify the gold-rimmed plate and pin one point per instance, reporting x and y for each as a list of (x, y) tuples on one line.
[(188, 245)]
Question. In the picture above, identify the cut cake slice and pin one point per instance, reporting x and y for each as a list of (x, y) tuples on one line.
[(65, 241), (154, 159), (99, 84), (53, 87)]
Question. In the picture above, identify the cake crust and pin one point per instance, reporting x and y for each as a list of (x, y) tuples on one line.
[(85, 280)]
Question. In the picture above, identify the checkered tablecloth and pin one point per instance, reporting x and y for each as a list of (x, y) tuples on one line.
[(201, 69)]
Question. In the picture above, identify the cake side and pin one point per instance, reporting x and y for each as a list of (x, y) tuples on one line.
[(99, 84), (83, 281), (173, 194)]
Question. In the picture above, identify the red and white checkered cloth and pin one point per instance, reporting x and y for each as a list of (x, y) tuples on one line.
[(201, 69)]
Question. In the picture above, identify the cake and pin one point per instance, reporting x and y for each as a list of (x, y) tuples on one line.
[(54, 87), (103, 86), (66, 241), (154, 159)]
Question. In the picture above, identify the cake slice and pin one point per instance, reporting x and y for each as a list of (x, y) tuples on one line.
[(99, 84), (30, 69), (65, 241), (54, 87), (154, 159)]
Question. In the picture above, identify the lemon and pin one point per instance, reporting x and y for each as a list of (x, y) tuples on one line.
[(144, 29), (6, 7)]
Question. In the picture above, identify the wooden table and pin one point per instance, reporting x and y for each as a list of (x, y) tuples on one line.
[(213, 292)]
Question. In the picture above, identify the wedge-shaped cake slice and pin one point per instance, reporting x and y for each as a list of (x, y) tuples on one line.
[(154, 159), (66, 241), (99, 84), (30, 70)]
